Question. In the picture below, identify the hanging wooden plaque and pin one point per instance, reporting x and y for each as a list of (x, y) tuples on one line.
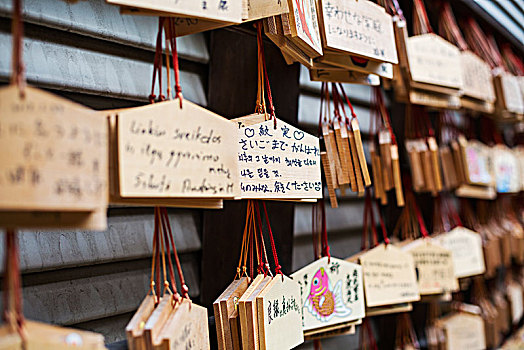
[(228, 305), (384, 70), (45, 336), (415, 165), (433, 60), (389, 276), (216, 10), (466, 246), (509, 95), (135, 327), (334, 331), (53, 153), (303, 23), (246, 321), (236, 332), (157, 320), (281, 163), (477, 78), (167, 151), (219, 320), (432, 99), (273, 27), (257, 9), (434, 266), (476, 162), (250, 321), (359, 27), (331, 293), (279, 315), (344, 76), (44, 220), (506, 168), (114, 186), (464, 331), (186, 328)]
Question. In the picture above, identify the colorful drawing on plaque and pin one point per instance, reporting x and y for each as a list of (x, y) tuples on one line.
[(331, 291), (324, 301), (305, 20), (304, 24), (477, 161)]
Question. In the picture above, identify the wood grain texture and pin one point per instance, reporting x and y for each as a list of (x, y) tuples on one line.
[(279, 315), (389, 276), (50, 134), (231, 12), (186, 328), (360, 151), (168, 151), (135, 327), (329, 180)]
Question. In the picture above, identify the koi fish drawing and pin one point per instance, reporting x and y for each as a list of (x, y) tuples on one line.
[(325, 302)]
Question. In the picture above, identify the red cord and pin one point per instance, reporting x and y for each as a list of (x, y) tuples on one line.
[(185, 289), (382, 226), (277, 265), (353, 114), (266, 79)]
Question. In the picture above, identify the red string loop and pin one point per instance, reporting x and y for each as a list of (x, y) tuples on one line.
[(260, 43), (278, 268)]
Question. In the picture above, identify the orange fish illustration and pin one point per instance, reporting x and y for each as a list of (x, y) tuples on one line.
[(325, 302)]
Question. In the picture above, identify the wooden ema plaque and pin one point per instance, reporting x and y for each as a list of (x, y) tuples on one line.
[(41, 336), (466, 247), (506, 168), (476, 161), (433, 60), (334, 331), (281, 163), (224, 307), (114, 185), (279, 315), (303, 24), (509, 95), (157, 320), (215, 10), (389, 276), (45, 163), (348, 62), (463, 331), (165, 151), (477, 78), (91, 221), (358, 27), (186, 328), (135, 327), (344, 76), (434, 267), (290, 50), (331, 293), (247, 314), (219, 320), (257, 9)]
